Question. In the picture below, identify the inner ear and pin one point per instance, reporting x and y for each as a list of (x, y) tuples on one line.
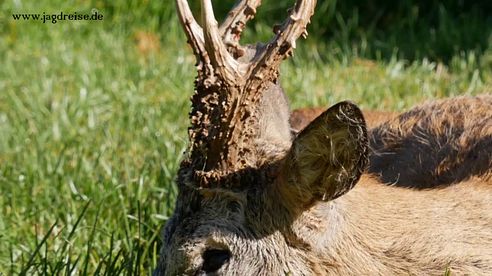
[(328, 157)]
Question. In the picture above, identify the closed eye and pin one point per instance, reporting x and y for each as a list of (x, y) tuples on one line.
[(214, 259)]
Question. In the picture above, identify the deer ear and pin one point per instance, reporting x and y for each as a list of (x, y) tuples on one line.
[(327, 158)]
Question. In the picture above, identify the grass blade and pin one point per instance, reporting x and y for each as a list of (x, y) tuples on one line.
[(30, 262)]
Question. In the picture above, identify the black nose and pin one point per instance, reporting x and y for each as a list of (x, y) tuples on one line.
[(214, 259)]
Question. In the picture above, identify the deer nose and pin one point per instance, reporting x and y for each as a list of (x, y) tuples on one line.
[(214, 259)]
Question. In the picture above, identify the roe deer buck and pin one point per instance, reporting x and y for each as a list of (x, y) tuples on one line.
[(255, 200)]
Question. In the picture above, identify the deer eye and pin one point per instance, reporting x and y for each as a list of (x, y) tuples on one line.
[(214, 259)]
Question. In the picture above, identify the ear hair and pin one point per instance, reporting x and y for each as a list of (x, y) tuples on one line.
[(327, 158)]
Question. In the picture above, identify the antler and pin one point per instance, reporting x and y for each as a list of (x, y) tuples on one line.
[(193, 31), (265, 66), (224, 115), (233, 26), (222, 61), (207, 43)]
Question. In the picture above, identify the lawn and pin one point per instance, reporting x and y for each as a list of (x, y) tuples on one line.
[(93, 114)]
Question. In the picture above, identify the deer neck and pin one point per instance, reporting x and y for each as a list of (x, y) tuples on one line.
[(340, 241)]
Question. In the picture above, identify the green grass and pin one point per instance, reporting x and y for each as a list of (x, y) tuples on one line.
[(92, 130)]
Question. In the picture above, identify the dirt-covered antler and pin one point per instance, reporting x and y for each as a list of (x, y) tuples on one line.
[(223, 116)]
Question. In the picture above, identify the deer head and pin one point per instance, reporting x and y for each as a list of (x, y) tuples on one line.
[(246, 185)]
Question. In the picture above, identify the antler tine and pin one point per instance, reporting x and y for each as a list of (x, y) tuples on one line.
[(193, 31), (222, 61), (236, 20), (265, 66)]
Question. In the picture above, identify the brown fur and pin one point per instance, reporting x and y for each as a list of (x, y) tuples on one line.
[(300, 118), (446, 131), (437, 143)]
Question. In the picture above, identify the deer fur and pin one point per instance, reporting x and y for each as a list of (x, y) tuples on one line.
[(300, 118), (376, 228), (412, 195)]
